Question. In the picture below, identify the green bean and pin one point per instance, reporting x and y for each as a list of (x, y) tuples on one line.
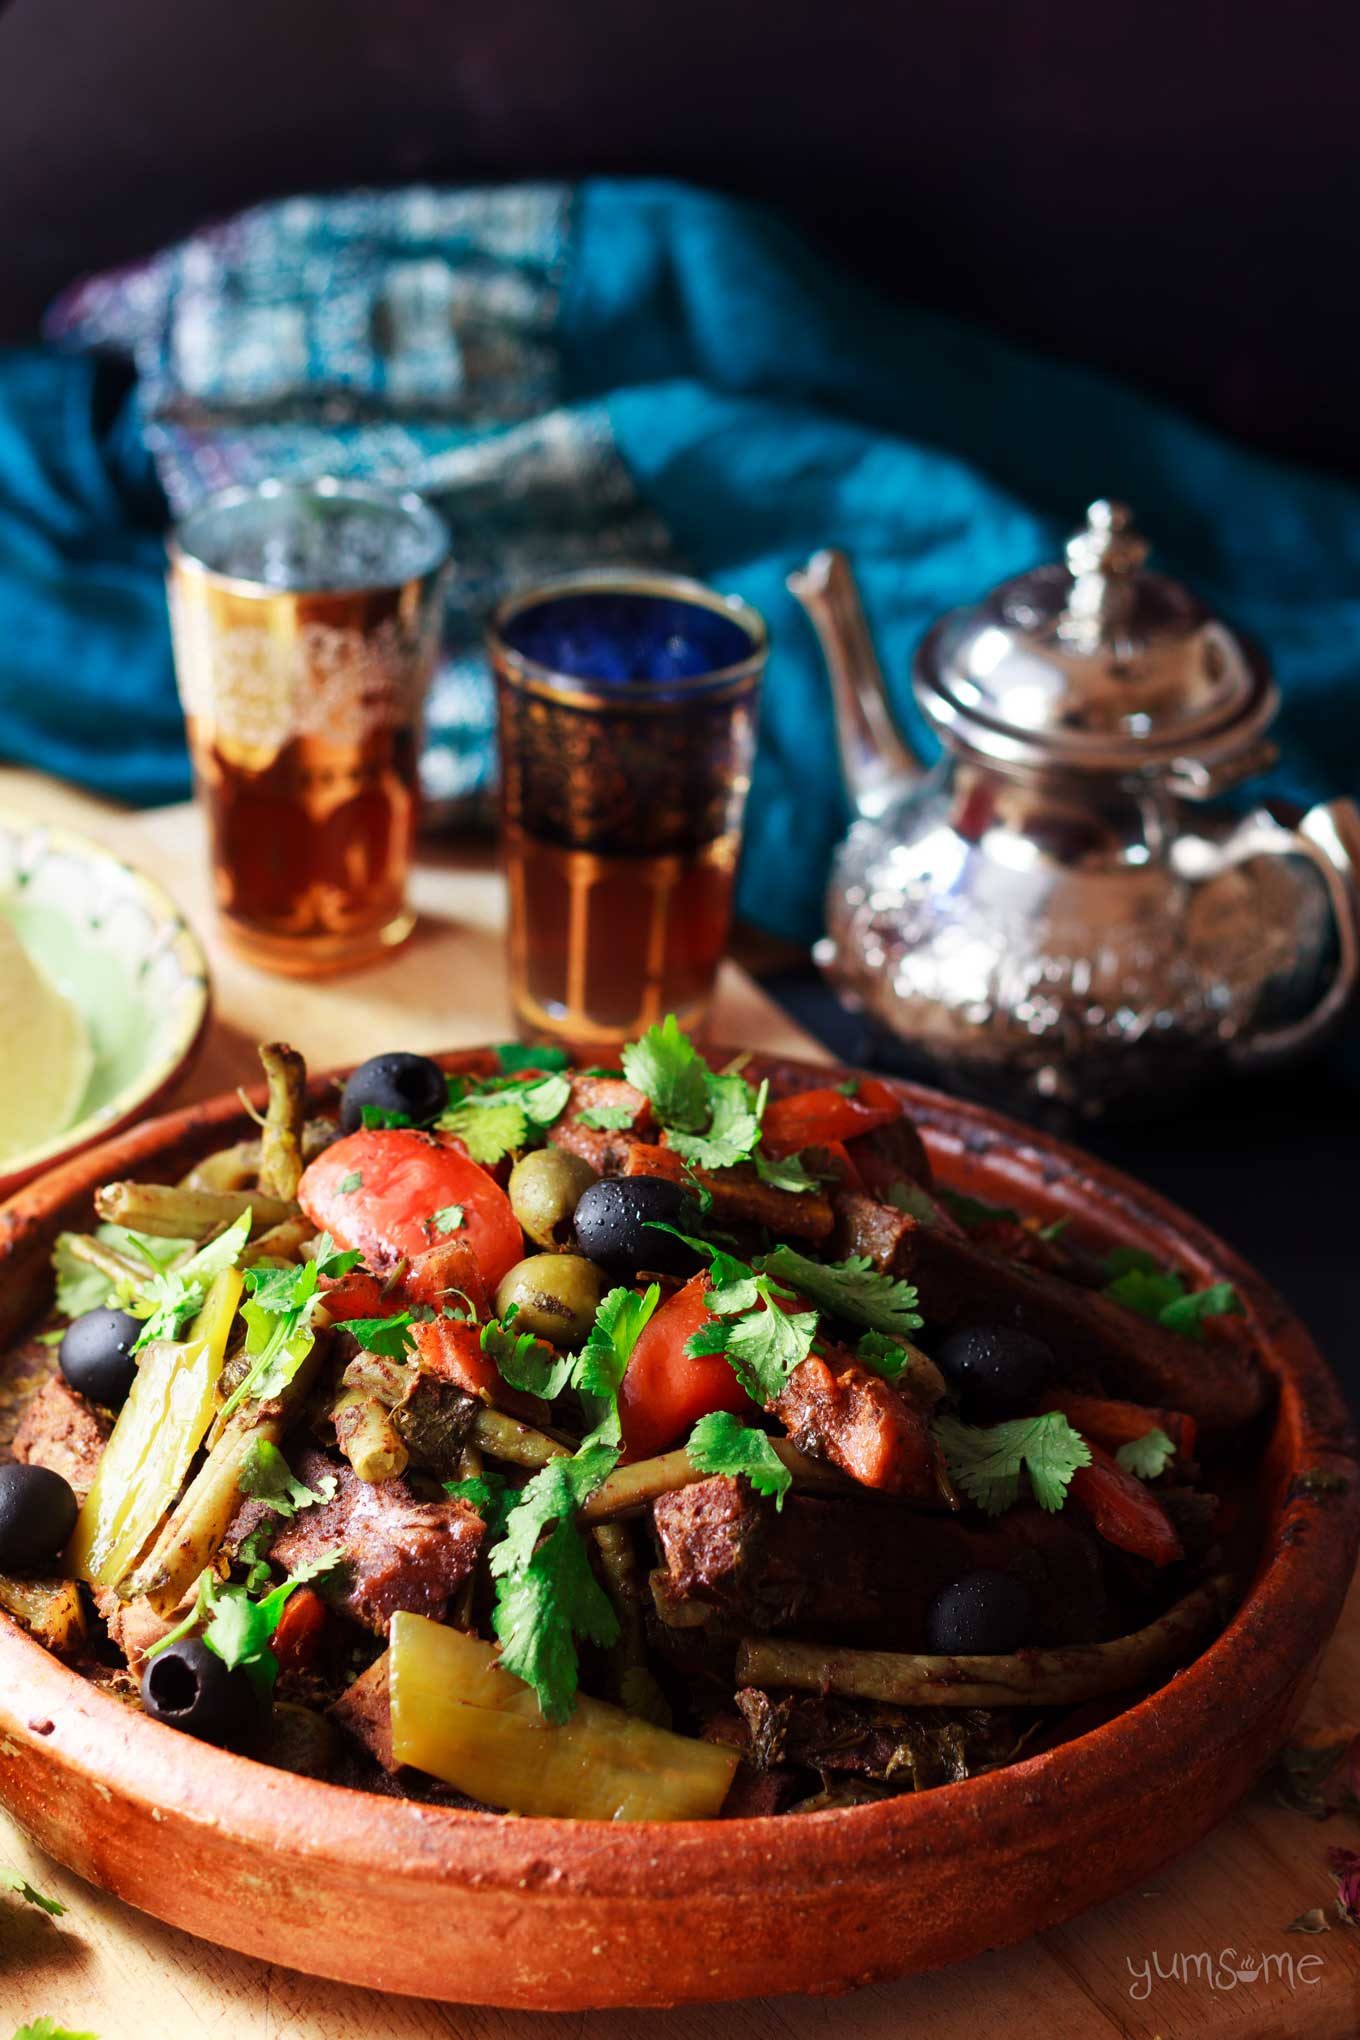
[(1032, 1678), (168, 1211)]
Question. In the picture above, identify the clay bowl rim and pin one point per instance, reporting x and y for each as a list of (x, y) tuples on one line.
[(1291, 1606)]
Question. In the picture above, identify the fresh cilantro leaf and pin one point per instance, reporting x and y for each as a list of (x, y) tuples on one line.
[(494, 1119), (10, 1880), (546, 1593), (733, 1129), (789, 1172), (1138, 1282), (764, 1348), (668, 1069), (171, 1297), (1055, 1228), (719, 1443), (882, 1355), (376, 1117), (608, 1118), (46, 2028), (600, 1365), (490, 1494), (523, 1361), (852, 1289), (513, 1056), (1187, 1313), (266, 1476), (350, 1183), (489, 1130), (390, 1337), (1146, 1456), (545, 1101), (850, 1088), (237, 1627), (278, 1320), (253, 1553), (987, 1462), (450, 1218)]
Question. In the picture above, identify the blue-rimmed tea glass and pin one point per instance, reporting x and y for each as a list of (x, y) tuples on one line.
[(627, 728)]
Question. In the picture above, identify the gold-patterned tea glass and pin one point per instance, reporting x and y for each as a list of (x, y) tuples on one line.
[(305, 619), (627, 728)]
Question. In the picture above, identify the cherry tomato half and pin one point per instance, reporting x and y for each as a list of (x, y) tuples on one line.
[(378, 1191), (665, 1389)]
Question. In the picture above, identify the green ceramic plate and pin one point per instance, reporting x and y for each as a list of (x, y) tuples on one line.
[(116, 944)]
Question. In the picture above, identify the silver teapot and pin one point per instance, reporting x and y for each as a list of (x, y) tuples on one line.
[(1048, 914)]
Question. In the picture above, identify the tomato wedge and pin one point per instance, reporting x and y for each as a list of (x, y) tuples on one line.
[(378, 1191), (818, 1118), (1122, 1510), (665, 1390)]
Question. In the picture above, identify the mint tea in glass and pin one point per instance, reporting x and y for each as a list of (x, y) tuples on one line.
[(627, 706)]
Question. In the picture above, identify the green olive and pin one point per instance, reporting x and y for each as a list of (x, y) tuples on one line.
[(545, 1188), (556, 1297)]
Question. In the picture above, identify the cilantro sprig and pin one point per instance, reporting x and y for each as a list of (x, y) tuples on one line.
[(496, 1117), (238, 1628), (1147, 1456), (1141, 1284), (523, 1360), (546, 1594), (278, 1316), (721, 1443), (852, 1289), (987, 1462), (10, 1880), (602, 1362), (490, 1494)]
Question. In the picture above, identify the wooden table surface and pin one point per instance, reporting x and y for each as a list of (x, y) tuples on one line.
[(1203, 1952)]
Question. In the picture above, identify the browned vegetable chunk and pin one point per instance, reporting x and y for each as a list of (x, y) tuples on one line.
[(865, 1427), (62, 1431), (398, 1552)]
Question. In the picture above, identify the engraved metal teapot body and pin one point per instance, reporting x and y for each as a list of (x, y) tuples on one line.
[(1050, 913)]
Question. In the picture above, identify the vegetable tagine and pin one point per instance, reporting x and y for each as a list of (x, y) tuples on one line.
[(638, 1443)]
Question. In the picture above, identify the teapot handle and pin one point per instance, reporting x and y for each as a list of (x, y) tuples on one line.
[(1329, 836)]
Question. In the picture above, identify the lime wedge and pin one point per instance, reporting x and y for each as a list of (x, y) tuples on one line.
[(47, 1057)]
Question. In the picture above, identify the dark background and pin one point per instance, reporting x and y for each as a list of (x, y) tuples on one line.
[(1171, 192)]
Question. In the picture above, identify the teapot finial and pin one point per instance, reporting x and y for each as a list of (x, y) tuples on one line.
[(1102, 558), (877, 763)]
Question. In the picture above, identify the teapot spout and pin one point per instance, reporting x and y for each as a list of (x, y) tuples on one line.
[(875, 760)]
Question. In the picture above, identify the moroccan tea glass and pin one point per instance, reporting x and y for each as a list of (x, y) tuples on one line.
[(305, 619), (627, 705)]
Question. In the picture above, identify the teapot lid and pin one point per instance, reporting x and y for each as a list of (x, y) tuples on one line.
[(1097, 665)]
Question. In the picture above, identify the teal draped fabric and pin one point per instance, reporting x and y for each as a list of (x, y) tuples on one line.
[(619, 371)]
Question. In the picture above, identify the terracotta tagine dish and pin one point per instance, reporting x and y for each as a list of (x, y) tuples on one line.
[(399, 1894)]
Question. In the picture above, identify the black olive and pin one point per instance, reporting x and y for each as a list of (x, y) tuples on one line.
[(96, 1355), (997, 1371), (411, 1085), (985, 1613), (188, 1686), (613, 1229), (37, 1515)]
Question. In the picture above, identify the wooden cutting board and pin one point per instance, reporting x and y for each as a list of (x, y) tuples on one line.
[(1202, 1952)]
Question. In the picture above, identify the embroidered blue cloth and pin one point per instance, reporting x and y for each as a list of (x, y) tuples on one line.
[(615, 371)]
